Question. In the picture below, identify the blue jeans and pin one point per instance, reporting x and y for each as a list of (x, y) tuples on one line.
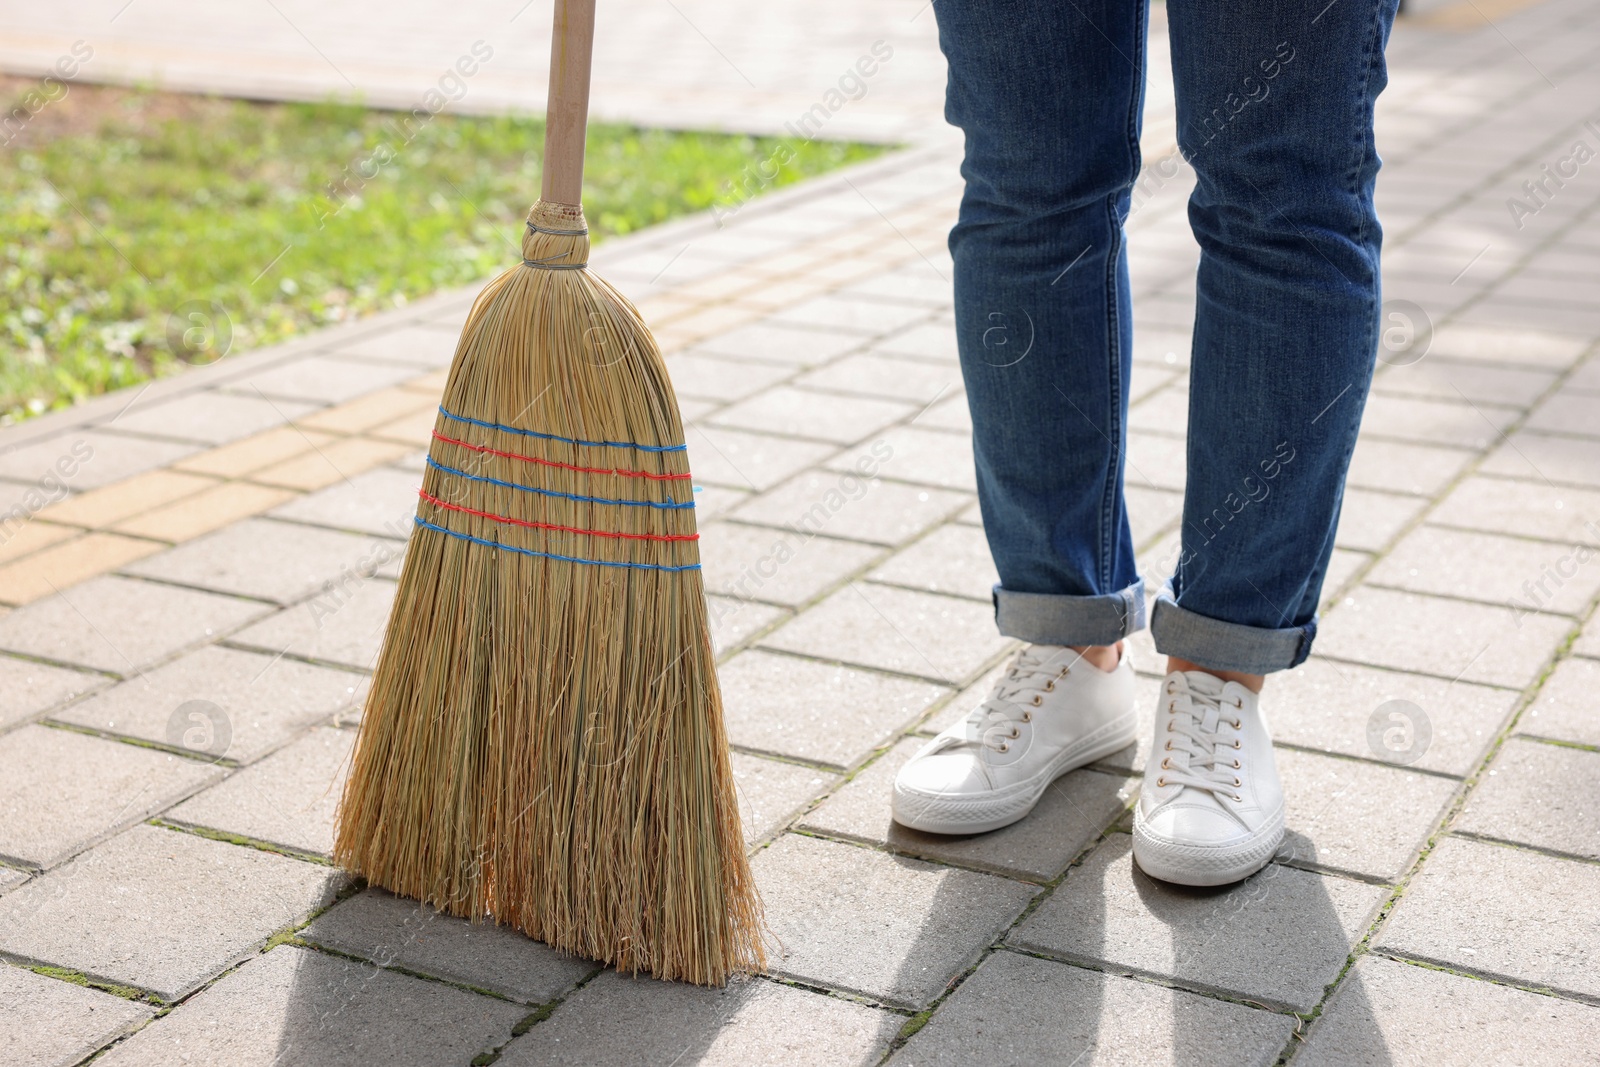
[(1274, 108)]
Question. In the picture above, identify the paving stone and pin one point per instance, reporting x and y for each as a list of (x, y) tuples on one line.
[(1386, 1012), (326, 464), (714, 501), (929, 457), (934, 341), (772, 792), (1343, 565), (924, 634), (734, 621), (1472, 642), (343, 625), (421, 345), (211, 509), (1487, 567), (109, 503), (915, 284), (779, 566), (395, 932), (781, 343), (718, 378), (416, 429), (1565, 708), (1538, 794), (51, 1022), (1346, 708), (1546, 459), (320, 378), (803, 413), (30, 537), (1156, 461), (281, 561), (949, 413), (953, 559), (255, 453), (1165, 411), (1354, 817), (837, 312), (1528, 509), (820, 712), (381, 502), (1395, 467), (1075, 810), (1278, 937), (262, 701), (862, 921), (1565, 412), (1472, 908), (1020, 1009), (28, 688), (212, 417), (1368, 521), (1436, 422), (88, 459), (11, 878), (628, 1022), (916, 381), (1479, 383), (851, 505), (120, 624), (62, 791), (298, 1006), (1498, 344), (374, 410), (160, 909), (68, 563), (746, 460), (287, 799)]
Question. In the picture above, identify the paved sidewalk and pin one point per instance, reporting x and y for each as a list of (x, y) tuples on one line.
[(191, 627)]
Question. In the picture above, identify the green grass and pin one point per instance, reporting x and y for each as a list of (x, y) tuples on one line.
[(127, 210)]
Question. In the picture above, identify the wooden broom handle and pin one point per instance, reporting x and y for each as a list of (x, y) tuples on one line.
[(567, 112)]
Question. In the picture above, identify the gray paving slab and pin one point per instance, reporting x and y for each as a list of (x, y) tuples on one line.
[(937, 637), (1409, 720), (324, 379), (380, 502), (630, 1022), (953, 559), (1279, 937), (61, 791), (1156, 461), (1018, 1009), (1436, 422), (1508, 913), (1369, 520), (1356, 817), (876, 374), (280, 561), (1588, 642), (768, 341), (417, 344), (1528, 509), (750, 461), (778, 566), (734, 621), (916, 283), (298, 1006), (1490, 568), (817, 711), (772, 792), (1386, 1012), (395, 932), (1565, 707), (54, 1023), (1448, 379), (211, 417), (121, 625), (1547, 458), (11, 878), (28, 689), (1538, 794), (287, 799), (839, 312), (1564, 412), (846, 504), (1076, 808), (219, 703), (88, 458), (887, 927), (1399, 467), (715, 377), (806, 413), (1472, 642), (160, 909), (343, 625)]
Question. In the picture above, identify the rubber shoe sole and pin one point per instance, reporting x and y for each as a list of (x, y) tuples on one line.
[(968, 813), (1204, 865)]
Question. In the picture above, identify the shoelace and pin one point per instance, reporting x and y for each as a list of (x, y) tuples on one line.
[(1208, 760), (1029, 673)]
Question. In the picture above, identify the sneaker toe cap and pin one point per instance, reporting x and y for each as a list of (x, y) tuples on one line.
[(942, 774), (1194, 825)]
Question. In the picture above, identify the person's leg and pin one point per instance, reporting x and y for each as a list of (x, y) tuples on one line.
[(1275, 106), (1048, 96)]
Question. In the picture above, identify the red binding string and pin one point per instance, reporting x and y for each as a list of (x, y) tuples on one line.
[(563, 466), (424, 494)]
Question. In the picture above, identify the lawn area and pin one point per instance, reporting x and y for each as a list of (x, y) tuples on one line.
[(123, 211)]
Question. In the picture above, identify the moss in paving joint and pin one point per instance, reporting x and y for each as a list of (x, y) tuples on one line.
[(239, 839), (126, 992), (139, 742)]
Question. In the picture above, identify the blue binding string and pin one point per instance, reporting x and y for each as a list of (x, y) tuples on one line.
[(551, 492), (420, 521), (564, 440)]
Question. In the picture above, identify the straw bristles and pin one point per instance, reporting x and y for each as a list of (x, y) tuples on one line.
[(543, 744)]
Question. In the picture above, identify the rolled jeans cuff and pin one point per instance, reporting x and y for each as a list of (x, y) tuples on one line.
[(1059, 619), (1227, 646)]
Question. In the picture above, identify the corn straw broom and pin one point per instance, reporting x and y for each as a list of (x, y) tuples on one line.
[(543, 744)]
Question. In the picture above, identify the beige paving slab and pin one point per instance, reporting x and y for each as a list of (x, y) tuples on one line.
[(211, 417), (67, 563)]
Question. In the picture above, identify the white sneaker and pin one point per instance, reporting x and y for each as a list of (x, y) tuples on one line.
[(1051, 712), (1210, 809)]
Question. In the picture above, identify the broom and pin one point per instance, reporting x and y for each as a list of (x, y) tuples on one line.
[(543, 742)]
